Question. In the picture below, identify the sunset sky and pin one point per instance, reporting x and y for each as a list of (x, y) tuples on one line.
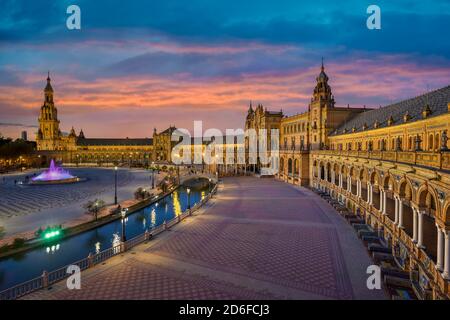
[(137, 65)]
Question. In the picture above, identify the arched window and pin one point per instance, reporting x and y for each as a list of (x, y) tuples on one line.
[(430, 142)]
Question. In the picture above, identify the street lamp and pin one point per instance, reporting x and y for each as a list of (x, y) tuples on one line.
[(153, 178), (115, 185), (188, 190), (123, 213)]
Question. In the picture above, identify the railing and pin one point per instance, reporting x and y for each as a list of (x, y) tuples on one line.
[(434, 159), (22, 289), (48, 278)]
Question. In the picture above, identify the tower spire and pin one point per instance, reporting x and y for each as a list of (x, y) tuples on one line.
[(322, 68)]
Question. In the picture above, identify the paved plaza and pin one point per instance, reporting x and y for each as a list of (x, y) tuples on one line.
[(24, 208), (257, 239)]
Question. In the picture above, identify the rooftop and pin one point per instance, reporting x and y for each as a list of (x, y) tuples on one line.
[(115, 142), (435, 102)]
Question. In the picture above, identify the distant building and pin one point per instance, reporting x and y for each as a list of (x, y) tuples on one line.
[(73, 148), (24, 136)]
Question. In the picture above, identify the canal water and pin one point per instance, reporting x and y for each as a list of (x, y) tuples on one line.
[(28, 265)]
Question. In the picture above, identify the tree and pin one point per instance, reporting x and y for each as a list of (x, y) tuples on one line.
[(94, 206)]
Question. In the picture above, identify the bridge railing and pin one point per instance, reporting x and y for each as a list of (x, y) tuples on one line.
[(48, 278)]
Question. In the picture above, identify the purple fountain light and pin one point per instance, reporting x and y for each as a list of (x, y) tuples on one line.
[(53, 173)]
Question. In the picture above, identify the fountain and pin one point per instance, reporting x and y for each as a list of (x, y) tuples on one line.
[(54, 175)]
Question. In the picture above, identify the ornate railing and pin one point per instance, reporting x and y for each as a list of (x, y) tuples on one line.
[(434, 159), (48, 278)]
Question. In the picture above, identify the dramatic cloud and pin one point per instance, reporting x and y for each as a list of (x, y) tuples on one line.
[(158, 63)]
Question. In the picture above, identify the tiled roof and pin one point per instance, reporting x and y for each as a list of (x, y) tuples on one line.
[(115, 142), (437, 100)]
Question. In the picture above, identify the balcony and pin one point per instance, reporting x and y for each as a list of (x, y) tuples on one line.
[(432, 159), (293, 149)]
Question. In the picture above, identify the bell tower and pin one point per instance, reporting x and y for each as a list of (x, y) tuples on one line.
[(321, 102), (49, 135)]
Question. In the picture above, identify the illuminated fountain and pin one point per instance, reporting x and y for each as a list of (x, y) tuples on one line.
[(54, 175)]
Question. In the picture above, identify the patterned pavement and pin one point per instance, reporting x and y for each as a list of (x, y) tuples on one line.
[(258, 239)]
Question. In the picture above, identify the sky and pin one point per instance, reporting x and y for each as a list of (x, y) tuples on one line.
[(139, 65)]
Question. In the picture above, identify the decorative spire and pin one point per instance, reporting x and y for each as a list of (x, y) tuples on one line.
[(322, 68), (250, 108), (48, 87)]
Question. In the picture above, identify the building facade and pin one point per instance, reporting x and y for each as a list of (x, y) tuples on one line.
[(78, 149), (389, 165)]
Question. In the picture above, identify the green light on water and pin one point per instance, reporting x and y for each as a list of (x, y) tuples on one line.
[(51, 234)]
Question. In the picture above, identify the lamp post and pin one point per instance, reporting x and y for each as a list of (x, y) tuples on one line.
[(188, 190), (96, 210), (115, 185), (153, 178), (123, 213)]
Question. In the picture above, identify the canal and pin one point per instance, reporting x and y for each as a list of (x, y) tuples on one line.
[(28, 265)]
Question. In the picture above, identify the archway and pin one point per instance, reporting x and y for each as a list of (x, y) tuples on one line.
[(375, 182), (388, 185), (363, 178), (290, 166), (296, 167), (344, 172), (336, 174), (405, 193), (427, 206), (353, 180)]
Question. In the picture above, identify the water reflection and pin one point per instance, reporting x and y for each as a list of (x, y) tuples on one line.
[(153, 218), (176, 204), (52, 249), (28, 265)]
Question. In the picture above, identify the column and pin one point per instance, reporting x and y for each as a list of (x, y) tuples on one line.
[(384, 202), (340, 180), (381, 200), (349, 184), (420, 231), (325, 175), (440, 248), (358, 188), (446, 273), (396, 210), (369, 193), (400, 213), (333, 177), (414, 225)]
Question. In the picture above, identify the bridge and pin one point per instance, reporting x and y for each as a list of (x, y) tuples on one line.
[(195, 176)]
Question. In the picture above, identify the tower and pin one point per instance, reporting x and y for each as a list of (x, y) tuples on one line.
[(49, 135), (321, 102)]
